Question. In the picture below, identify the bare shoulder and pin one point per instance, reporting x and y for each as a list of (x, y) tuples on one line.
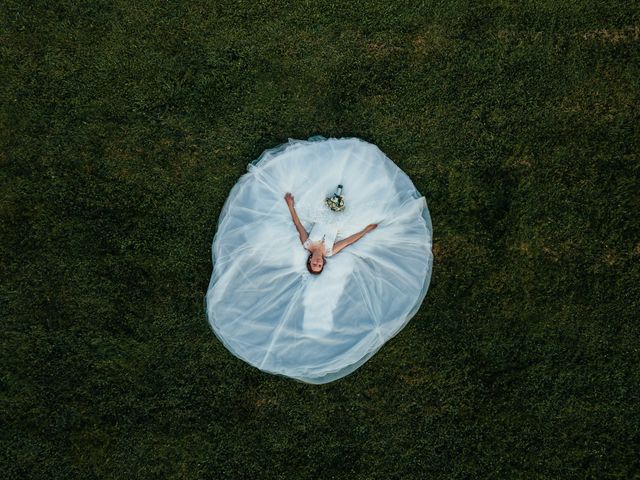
[(337, 247)]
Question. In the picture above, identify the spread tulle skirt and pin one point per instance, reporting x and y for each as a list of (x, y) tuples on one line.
[(264, 305)]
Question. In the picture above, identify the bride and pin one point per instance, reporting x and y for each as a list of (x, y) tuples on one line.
[(318, 248), (283, 317)]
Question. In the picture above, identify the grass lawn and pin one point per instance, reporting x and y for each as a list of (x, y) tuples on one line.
[(125, 124)]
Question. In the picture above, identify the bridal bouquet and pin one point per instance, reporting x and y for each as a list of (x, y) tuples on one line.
[(336, 202)]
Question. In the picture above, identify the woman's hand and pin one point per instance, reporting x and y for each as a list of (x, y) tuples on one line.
[(289, 199), (370, 227)]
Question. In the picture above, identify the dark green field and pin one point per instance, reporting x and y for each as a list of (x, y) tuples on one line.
[(123, 127)]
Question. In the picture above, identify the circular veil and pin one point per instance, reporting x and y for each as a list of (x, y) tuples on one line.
[(264, 305)]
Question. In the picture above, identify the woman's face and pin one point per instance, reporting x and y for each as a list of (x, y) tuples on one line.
[(316, 263)]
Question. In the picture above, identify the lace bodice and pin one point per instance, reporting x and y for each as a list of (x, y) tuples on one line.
[(323, 232)]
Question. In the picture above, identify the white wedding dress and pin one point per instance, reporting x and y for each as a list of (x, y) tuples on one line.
[(264, 305)]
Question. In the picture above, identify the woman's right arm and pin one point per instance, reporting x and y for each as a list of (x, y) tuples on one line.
[(301, 231), (353, 238)]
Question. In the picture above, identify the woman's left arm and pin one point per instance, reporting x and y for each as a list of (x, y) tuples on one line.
[(294, 216)]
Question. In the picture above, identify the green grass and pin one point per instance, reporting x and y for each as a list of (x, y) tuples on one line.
[(124, 126)]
